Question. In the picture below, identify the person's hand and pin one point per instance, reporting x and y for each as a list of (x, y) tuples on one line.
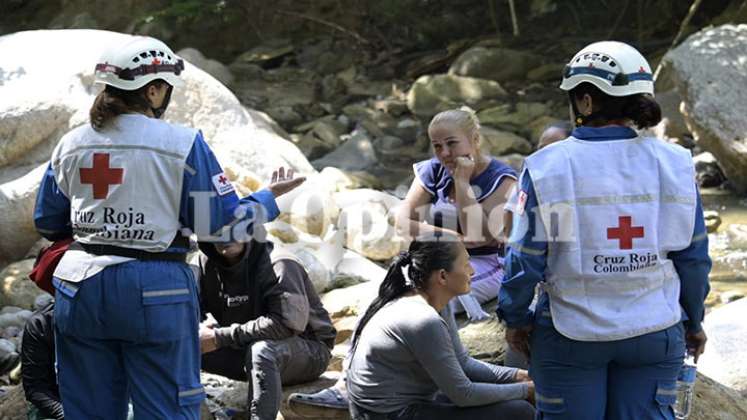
[(522, 376), (209, 321), (530, 393), (207, 338), (465, 165), (283, 182), (518, 339), (696, 343)]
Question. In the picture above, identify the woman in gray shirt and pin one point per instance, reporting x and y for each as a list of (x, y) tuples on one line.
[(407, 361)]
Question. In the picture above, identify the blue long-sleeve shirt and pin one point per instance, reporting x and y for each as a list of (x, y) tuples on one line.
[(198, 198), (526, 261)]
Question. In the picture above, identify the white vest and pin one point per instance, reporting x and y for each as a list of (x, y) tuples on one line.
[(612, 211), (124, 183)]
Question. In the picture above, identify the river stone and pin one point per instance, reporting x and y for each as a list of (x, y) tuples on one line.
[(725, 358), (712, 220), (212, 67), (16, 289), (368, 231), (497, 142), (231, 394), (430, 95), (499, 64), (710, 73), (707, 171), (17, 200)]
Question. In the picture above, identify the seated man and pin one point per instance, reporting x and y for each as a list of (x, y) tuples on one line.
[(37, 366), (268, 328)]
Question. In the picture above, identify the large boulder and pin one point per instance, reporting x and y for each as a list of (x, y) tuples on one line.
[(231, 396), (366, 223), (714, 401), (710, 73), (725, 359), (499, 64), (430, 95), (355, 154), (15, 287), (485, 340), (17, 199), (213, 67), (39, 102), (497, 142)]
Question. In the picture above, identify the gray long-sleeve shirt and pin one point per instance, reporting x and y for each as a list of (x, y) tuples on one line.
[(408, 352)]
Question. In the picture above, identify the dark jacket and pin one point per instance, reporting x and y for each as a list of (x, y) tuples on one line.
[(37, 364), (251, 302)]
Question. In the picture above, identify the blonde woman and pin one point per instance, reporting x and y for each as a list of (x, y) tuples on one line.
[(464, 190)]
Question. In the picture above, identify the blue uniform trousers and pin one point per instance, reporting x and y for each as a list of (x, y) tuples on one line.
[(129, 332), (631, 379)]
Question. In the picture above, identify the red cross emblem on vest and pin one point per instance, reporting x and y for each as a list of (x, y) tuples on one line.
[(101, 175), (625, 232), (222, 179)]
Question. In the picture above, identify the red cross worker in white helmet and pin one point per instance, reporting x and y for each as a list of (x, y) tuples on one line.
[(611, 225), (129, 188)]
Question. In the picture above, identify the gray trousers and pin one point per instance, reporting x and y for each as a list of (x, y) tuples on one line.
[(513, 410), (267, 365)]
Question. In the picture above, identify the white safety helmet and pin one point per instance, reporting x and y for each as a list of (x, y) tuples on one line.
[(137, 63), (616, 68)]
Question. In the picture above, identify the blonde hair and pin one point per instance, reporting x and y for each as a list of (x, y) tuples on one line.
[(464, 118)]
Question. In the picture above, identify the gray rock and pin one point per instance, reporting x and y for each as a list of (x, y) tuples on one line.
[(673, 120), (13, 404), (497, 143), (737, 234), (226, 393), (517, 117), (212, 67), (430, 95), (712, 220), (710, 74), (714, 401), (499, 64), (17, 319), (546, 72), (707, 171), (11, 332), (725, 358), (514, 160), (485, 340), (42, 300), (356, 154), (6, 346), (730, 296), (15, 287), (17, 200), (267, 55), (286, 116)]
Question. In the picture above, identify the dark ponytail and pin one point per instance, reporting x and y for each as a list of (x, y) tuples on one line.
[(113, 101), (423, 258), (641, 108)]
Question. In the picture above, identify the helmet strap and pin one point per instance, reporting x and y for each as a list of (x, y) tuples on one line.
[(158, 112), (579, 119)]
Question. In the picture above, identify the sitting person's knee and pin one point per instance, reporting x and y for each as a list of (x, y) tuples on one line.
[(263, 351), (518, 409)]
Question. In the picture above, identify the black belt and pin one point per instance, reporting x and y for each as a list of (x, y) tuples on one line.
[(139, 254)]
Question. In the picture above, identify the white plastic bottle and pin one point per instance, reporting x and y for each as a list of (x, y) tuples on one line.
[(685, 385)]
